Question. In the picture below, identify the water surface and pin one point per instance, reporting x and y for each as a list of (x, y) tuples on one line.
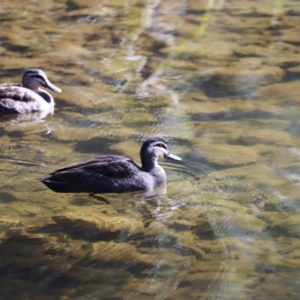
[(219, 80)]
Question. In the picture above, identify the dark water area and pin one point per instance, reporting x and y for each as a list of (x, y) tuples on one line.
[(219, 80)]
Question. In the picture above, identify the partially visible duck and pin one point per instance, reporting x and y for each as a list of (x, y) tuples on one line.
[(113, 173), (16, 99)]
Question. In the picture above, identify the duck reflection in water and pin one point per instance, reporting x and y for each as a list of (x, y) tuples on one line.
[(113, 173)]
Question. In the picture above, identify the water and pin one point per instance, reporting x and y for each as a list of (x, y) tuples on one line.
[(219, 81)]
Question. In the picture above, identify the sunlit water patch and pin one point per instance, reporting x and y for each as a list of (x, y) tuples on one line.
[(142, 237), (169, 233), (135, 253), (219, 81)]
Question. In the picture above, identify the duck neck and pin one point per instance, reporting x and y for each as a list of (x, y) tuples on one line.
[(46, 96), (149, 163)]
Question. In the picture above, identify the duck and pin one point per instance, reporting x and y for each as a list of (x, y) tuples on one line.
[(113, 173), (28, 97)]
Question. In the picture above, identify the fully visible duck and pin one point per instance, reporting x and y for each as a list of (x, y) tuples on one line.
[(16, 99), (113, 173)]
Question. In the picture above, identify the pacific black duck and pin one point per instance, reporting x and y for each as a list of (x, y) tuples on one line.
[(113, 173), (17, 99)]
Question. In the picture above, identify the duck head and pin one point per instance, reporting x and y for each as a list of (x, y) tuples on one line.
[(34, 78), (153, 149)]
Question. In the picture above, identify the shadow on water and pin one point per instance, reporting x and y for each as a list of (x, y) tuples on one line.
[(77, 230), (141, 246), (38, 271), (93, 143), (7, 197), (75, 257)]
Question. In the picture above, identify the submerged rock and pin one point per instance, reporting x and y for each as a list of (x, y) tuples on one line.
[(265, 136), (227, 155), (240, 78)]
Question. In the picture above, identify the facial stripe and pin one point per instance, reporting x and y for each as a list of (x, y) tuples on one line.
[(36, 76), (161, 145), (32, 73), (40, 79), (35, 72)]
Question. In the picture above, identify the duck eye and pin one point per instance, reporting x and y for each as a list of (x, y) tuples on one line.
[(161, 145)]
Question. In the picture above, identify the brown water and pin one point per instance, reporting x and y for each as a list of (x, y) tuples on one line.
[(219, 80)]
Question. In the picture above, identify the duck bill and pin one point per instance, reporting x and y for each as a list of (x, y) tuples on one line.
[(52, 87), (172, 156)]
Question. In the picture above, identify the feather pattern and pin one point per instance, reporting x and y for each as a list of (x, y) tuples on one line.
[(17, 99), (111, 173)]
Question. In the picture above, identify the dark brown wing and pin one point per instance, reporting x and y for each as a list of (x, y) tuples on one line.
[(106, 167), (15, 98), (16, 92), (102, 174)]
